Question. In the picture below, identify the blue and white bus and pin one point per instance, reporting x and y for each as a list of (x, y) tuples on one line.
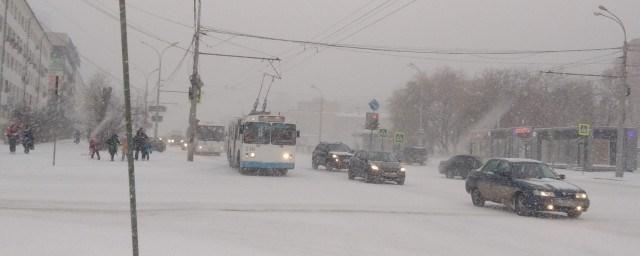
[(262, 143)]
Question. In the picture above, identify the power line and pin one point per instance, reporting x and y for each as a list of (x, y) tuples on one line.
[(578, 74), (239, 56), (405, 50)]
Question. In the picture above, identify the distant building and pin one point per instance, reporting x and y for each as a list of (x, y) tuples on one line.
[(24, 59), (64, 66)]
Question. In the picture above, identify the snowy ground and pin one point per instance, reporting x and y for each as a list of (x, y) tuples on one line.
[(80, 207)]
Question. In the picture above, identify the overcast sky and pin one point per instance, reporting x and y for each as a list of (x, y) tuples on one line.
[(231, 84)]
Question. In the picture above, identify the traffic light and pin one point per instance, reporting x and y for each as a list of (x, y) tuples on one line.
[(372, 121)]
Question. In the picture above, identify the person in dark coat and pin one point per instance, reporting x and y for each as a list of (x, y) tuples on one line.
[(94, 147), (27, 139), (112, 143), (139, 142)]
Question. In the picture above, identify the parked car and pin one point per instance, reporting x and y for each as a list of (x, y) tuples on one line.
[(157, 144), (331, 156), (459, 165), (416, 155), (376, 167), (526, 186)]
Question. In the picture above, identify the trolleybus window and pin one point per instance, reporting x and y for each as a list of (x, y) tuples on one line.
[(283, 134), (257, 133)]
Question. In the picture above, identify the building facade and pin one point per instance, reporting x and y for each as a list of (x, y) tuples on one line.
[(63, 68), (24, 59)]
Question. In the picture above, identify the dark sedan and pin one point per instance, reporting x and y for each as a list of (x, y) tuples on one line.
[(526, 186), (376, 167), (459, 165)]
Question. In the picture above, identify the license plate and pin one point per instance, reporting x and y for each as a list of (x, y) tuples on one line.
[(566, 202)]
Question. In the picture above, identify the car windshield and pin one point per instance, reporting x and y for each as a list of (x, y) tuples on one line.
[(339, 147), (210, 133), (257, 133), (283, 134), (532, 171), (381, 156)]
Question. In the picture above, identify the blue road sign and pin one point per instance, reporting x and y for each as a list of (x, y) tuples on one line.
[(374, 105)]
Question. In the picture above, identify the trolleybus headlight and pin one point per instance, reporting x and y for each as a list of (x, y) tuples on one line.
[(374, 167), (334, 156), (287, 156)]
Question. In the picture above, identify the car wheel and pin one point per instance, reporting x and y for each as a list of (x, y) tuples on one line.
[(314, 164), (574, 214), (449, 174), (400, 181), (520, 206), (368, 178), (329, 166), (350, 174), (476, 198)]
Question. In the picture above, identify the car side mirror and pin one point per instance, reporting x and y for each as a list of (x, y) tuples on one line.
[(562, 176)]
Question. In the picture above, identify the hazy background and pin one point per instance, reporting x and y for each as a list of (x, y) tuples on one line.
[(350, 77)]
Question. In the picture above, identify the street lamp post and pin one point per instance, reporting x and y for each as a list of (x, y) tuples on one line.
[(160, 54), (321, 111), (620, 156), (420, 106), (146, 95)]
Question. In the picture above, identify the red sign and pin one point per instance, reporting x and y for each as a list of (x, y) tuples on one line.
[(522, 131)]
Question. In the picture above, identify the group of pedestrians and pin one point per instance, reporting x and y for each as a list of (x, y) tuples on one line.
[(17, 132), (141, 146)]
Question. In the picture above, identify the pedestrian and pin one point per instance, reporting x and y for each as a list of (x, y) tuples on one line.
[(76, 136), (139, 142), (27, 139), (125, 147), (112, 143), (94, 147), (147, 151), (12, 134)]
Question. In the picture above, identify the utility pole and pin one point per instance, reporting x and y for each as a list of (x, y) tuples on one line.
[(196, 84), (624, 93), (3, 52), (127, 106), (321, 112), (420, 132)]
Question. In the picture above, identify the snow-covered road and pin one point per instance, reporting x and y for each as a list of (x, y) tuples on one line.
[(80, 207)]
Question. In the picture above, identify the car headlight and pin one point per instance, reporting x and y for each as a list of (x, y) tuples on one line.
[(334, 156), (403, 169), (200, 147), (374, 167), (186, 145), (544, 193), (182, 141), (160, 138), (287, 156), (581, 195), (251, 154)]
